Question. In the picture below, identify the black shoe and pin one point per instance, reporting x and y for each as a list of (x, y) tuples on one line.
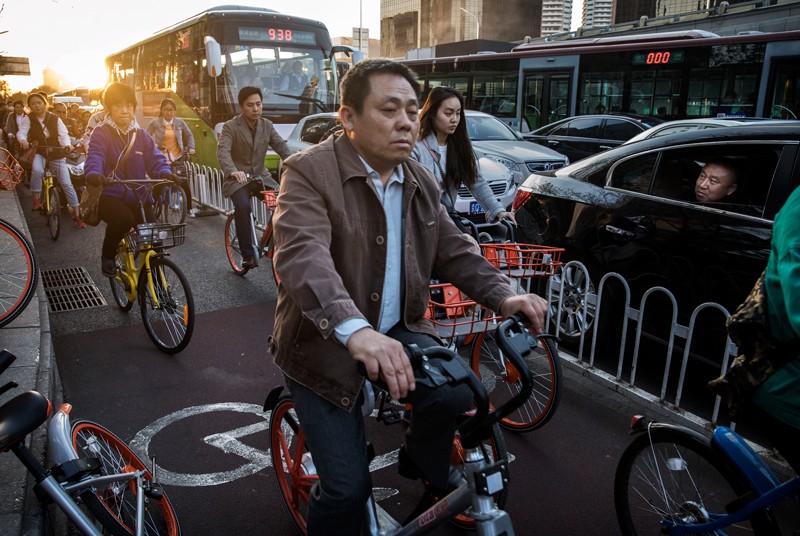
[(408, 469), (109, 267), (249, 262)]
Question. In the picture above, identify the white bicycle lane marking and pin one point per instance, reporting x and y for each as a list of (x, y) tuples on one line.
[(228, 442)]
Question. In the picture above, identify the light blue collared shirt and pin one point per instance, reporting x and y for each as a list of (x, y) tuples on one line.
[(391, 304)]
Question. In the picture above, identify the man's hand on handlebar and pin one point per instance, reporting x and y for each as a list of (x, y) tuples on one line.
[(531, 305), (384, 359), (240, 176)]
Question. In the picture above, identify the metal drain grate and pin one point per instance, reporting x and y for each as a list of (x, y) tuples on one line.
[(70, 289)]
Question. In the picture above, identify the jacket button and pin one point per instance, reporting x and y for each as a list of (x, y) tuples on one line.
[(375, 296), (323, 323), (345, 401), (379, 240)]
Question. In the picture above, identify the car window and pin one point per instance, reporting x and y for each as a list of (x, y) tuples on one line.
[(755, 166), (634, 174), (617, 129), (673, 130), (581, 128), (487, 128)]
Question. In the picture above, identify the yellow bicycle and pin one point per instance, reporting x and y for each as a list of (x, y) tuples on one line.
[(144, 273), (51, 203)]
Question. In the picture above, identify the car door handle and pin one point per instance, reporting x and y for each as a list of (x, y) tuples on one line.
[(553, 143), (604, 147), (623, 233)]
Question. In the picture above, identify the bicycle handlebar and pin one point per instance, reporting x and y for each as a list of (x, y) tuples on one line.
[(515, 341)]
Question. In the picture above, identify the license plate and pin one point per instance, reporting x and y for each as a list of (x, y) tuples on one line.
[(475, 208)]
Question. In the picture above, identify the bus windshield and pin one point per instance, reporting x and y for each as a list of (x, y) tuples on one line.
[(295, 81)]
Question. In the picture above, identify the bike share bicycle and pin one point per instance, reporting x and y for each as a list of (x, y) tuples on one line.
[(486, 476), (91, 468), (144, 273), (466, 324), (172, 203), (18, 267), (264, 245), (673, 480)]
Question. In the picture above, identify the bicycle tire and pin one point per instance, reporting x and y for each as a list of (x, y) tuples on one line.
[(170, 321), (495, 449), (501, 380), (18, 272), (268, 247), (119, 283), (114, 506), (173, 205), (291, 460), (232, 250), (53, 216), (700, 482)]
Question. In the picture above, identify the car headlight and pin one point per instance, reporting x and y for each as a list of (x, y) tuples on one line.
[(510, 164)]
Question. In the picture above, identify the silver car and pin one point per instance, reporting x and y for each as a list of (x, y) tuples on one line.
[(494, 140)]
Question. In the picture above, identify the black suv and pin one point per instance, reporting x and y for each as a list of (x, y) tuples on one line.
[(584, 135), (631, 210)]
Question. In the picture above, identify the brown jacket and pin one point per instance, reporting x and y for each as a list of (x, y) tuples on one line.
[(330, 231), (236, 151)]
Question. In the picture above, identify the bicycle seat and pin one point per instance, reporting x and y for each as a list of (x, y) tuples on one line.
[(22, 415)]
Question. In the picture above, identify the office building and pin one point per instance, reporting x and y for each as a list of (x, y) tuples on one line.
[(414, 24), (597, 13)]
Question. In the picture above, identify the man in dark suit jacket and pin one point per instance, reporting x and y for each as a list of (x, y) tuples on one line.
[(242, 148)]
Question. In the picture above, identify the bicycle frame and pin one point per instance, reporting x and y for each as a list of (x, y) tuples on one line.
[(489, 520), (69, 474), (750, 465), (132, 271)]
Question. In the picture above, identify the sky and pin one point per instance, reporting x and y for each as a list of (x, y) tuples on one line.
[(73, 37)]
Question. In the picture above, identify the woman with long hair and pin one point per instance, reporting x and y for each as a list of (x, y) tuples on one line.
[(446, 150), (49, 131), (174, 137)]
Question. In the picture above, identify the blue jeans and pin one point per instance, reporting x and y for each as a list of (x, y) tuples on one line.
[(336, 440)]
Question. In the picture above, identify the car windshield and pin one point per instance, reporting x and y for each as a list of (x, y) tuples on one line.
[(488, 128)]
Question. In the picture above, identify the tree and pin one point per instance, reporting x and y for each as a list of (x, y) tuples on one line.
[(5, 89)]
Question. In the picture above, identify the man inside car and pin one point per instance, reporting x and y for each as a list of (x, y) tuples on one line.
[(717, 181)]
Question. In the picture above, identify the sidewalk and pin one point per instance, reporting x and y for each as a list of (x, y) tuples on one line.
[(28, 337)]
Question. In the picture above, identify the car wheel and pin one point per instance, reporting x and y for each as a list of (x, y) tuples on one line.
[(570, 318)]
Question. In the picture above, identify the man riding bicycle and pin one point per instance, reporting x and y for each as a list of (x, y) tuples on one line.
[(359, 229), (242, 148)]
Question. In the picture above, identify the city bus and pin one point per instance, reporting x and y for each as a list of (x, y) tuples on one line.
[(670, 75), (203, 61)]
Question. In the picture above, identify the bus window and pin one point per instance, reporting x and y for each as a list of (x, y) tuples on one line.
[(653, 90), (496, 95), (601, 93), (786, 99)]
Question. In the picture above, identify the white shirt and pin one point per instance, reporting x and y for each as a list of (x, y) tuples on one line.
[(391, 304), (63, 133)]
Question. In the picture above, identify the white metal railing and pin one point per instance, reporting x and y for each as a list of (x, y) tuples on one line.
[(206, 186), (624, 377)]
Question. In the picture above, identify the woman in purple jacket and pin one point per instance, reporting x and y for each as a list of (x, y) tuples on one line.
[(109, 157)]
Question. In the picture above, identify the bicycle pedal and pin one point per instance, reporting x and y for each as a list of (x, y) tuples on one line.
[(390, 416)]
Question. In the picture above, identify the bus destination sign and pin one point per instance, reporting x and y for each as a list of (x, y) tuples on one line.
[(277, 34), (657, 57)]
